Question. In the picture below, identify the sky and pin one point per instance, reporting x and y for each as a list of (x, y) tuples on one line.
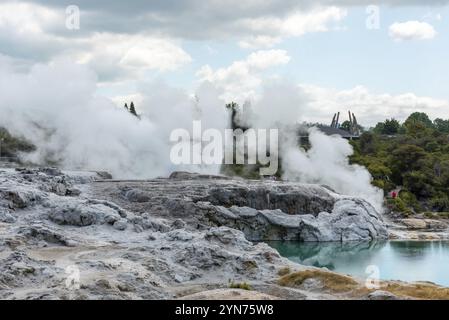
[(379, 59)]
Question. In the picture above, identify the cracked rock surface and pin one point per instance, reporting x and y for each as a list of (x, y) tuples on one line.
[(74, 235)]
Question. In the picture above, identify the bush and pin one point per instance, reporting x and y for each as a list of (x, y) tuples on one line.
[(242, 285), (397, 205), (418, 183), (410, 200), (439, 202)]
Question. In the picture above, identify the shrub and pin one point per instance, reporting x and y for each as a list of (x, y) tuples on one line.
[(399, 206), (242, 285), (440, 202)]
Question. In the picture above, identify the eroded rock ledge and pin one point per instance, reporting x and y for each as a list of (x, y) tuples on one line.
[(262, 210)]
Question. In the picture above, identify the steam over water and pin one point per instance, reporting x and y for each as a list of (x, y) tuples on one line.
[(56, 107)]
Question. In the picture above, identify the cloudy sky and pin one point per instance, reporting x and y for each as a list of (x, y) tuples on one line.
[(383, 60)]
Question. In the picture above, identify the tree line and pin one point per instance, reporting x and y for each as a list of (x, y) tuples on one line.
[(412, 156)]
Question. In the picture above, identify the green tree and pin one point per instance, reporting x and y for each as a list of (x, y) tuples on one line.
[(389, 127), (416, 129), (379, 128), (367, 143), (441, 125), (419, 117), (418, 183), (405, 158), (440, 202), (408, 156)]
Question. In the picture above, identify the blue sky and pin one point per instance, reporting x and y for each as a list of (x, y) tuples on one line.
[(349, 57)]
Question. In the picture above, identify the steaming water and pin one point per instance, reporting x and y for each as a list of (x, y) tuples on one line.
[(396, 260)]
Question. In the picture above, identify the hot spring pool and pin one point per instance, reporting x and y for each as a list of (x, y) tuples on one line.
[(395, 260)]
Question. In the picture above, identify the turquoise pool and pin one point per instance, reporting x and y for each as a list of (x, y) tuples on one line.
[(395, 260)]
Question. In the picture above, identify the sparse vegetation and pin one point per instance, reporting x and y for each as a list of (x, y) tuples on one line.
[(239, 285), (330, 281), (337, 283), (417, 290), (436, 215)]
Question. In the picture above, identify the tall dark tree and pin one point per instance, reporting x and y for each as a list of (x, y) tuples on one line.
[(389, 126), (126, 106), (367, 143), (132, 109)]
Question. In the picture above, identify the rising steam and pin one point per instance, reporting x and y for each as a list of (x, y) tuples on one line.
[(56, 108), (326, 162)]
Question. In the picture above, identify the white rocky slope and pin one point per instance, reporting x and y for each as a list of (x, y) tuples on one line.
[(74, 235)]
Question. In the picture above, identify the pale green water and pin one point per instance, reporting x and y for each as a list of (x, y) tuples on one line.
[(396, 260)]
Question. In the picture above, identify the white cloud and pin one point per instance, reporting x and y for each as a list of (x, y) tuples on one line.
[(368, 107), (36, 33), (121, 56), (412, 30), (241, 79), (259, 42), (120, 100), (25, 18), (271, 30)]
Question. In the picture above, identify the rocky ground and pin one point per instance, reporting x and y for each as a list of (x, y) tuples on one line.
[(418, 228), (82, 235)]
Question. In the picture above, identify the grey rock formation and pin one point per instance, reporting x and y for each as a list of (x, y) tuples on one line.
[(6, 216), (120, 224), (263, 210), (294, 212), (382, 295), (66, 235), (81, 214)]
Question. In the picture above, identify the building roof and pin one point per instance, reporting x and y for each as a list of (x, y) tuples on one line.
[(332, 131)]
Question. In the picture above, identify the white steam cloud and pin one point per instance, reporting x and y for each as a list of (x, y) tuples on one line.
[(326, 162), (56, 108)]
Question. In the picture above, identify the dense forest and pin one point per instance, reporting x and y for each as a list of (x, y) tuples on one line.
[(411, 158)]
